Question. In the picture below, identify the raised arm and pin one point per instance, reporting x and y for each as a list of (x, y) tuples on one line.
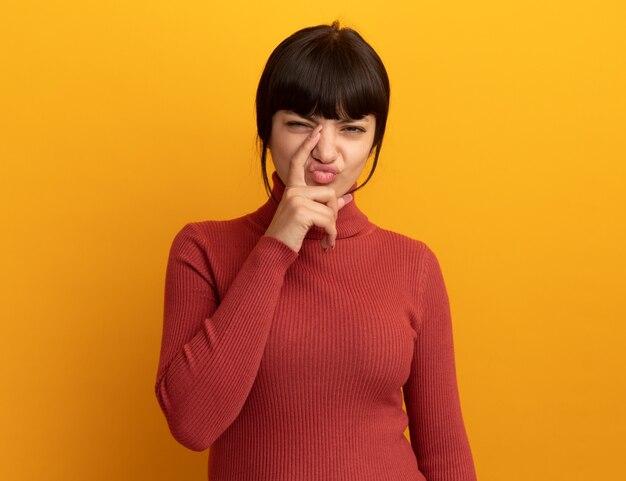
[(436, 427), (210, 353)]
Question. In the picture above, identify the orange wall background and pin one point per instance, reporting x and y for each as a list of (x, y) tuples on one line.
[(122, 121)]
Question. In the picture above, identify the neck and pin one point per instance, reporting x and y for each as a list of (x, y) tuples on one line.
[(351, 221)]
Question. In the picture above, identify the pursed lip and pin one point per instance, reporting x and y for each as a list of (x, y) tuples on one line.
[(324, 168)]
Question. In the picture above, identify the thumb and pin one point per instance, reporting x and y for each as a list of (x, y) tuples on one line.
[(343, 200)]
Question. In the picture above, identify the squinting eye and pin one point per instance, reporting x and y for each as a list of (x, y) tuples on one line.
[(294, 123), (354, 129)]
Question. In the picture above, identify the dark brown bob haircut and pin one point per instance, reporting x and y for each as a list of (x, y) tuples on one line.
[(324, 71)]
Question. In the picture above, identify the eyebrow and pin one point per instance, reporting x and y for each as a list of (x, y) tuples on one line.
[(341, 121)]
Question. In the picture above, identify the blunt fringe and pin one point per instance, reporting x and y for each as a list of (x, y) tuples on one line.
[(325, 71)]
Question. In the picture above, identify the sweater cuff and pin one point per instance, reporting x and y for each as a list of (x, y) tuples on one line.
[(275, 250), (271, 256)]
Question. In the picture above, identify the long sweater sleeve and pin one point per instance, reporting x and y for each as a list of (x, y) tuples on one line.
[(436, 427), (211, 349)]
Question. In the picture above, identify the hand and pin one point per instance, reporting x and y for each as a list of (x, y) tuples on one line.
[(303, 205)]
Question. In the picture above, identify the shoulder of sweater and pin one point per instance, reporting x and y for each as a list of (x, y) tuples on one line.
[(416, 249), (418, 258), (402, 240), (197, 238), (218, 229)]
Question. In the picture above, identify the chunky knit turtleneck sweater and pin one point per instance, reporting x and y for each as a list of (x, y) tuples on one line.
[(291, 366)]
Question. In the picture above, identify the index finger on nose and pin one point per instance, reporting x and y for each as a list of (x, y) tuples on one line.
[(295, 176)]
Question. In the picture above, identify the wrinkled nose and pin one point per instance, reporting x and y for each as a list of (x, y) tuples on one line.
[(325, 150)]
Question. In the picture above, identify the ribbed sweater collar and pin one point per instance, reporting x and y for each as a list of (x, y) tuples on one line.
[(351, 221)]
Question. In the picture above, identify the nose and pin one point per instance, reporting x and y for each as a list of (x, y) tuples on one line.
[(325, 150)]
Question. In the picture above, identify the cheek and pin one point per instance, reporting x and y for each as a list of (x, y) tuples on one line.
[(359, 154), (282, 150)]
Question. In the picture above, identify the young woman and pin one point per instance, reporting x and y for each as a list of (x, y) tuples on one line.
[(291, 333)]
